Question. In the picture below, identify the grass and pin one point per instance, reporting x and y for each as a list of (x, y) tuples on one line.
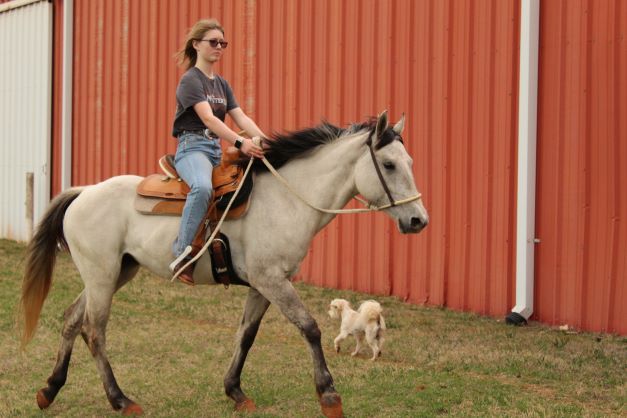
[(169, 346)]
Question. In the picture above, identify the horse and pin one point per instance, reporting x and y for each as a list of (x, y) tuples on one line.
[(108, 240)]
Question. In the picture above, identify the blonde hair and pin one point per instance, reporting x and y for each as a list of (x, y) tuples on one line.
[(187, 53)]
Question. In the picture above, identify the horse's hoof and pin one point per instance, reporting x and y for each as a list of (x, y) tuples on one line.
[(132, 409), (331, 405), (42, 401), (247, 405)]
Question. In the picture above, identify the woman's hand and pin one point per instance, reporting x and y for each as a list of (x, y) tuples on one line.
[(250, 148)]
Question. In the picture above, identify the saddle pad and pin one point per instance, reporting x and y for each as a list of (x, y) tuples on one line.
[(225, 178), (171, 207), (157, 206)]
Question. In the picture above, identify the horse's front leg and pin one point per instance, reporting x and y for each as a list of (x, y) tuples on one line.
[(254, 310), (281, 293)]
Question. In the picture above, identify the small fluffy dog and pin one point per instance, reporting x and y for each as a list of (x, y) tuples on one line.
[(367, 322)]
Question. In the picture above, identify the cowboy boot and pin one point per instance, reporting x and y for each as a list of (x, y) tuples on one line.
[(187, 275)]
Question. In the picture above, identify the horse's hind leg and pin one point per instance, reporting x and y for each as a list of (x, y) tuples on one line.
[(100, 285), (74, 318), (256, 307), (282, 294), (72, 326), (94, 330), (99, 296)]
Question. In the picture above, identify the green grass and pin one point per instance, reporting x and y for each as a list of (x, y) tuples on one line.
[(169, 346)]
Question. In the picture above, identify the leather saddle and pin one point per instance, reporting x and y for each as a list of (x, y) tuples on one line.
[(165, 194)]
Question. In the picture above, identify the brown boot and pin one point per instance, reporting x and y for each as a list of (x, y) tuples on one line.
[(187, 275)]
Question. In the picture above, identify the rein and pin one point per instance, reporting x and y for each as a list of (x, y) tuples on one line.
[(215, 231), (369, 207)]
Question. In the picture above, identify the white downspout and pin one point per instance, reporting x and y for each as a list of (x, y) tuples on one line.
[(66, 95), (527, 123)]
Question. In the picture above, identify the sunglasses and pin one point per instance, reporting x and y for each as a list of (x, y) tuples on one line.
[(215, 42)]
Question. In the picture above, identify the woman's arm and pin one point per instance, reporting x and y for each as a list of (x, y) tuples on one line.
[(204, 112), (242, 120)]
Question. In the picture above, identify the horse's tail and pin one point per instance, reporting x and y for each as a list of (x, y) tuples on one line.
[(41, 255)]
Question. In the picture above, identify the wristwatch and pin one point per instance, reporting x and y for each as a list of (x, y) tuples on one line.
[(238, 143)]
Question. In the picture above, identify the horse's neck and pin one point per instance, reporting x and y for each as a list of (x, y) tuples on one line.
[(326, 178)]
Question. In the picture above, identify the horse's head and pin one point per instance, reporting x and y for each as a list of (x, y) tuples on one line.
[(395, 168)]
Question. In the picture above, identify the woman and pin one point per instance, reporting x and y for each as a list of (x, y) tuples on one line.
[(203, 100)]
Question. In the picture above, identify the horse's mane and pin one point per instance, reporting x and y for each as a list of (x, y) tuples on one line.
[(281, 148)]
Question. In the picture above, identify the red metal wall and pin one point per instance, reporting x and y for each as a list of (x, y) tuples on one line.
[(581, 262), (451, 66)]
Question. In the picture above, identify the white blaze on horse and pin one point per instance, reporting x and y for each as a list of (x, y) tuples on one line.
[(109, 240)]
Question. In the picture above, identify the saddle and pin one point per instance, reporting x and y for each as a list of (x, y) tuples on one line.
[(165, 194)]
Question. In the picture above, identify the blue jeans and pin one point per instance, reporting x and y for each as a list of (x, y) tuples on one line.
[(195, 158)]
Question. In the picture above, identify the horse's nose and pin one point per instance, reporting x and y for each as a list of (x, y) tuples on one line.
[(418, 223)]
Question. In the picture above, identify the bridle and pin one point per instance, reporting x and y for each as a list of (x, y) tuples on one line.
[(369, 207), (378, 170)]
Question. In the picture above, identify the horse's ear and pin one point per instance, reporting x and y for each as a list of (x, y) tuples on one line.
[(382, 123), (400, 125)]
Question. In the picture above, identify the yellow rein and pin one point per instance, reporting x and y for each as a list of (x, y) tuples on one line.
[(368, 207)]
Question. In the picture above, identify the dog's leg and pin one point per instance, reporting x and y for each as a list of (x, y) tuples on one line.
[(373, 342), (359, 336), (341, 337)]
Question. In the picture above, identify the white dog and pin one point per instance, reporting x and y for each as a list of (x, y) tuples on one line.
[(366, 321)]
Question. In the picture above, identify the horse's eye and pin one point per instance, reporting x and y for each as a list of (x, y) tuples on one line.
[(388, 165)]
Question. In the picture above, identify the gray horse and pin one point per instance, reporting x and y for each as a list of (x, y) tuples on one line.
[(109, 240)]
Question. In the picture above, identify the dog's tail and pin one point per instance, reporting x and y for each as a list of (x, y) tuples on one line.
[(382, 323), (372, 310)]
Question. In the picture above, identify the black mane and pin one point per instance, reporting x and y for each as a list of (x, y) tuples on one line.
[(281, 148)]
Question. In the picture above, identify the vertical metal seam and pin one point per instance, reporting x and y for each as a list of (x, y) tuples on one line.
[(430, 64), (448, 141), (490, 165), (469, 157), (559, 222), (390, 242), (585, 261), (407, 291), (613, 276)]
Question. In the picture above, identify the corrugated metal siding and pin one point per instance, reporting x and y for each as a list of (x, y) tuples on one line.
[(451, 66), (581, 263), (25, 113)]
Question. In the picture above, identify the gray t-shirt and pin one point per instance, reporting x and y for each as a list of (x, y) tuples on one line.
[(196, 87)]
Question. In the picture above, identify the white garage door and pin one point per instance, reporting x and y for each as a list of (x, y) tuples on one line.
[(25, 112)]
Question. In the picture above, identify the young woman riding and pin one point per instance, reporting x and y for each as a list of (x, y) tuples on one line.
[(203, 100)]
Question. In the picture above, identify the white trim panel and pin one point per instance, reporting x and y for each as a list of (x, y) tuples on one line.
[(527, 123), (66, 99)]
